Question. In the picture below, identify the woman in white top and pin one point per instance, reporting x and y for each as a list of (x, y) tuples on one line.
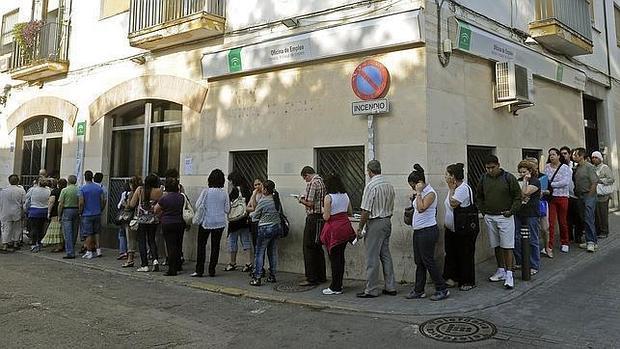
[(560, 178), (216, 204), (459, 268), (337, 230), (425, 235), (36, 206)]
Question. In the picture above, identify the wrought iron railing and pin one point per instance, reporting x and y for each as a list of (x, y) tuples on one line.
[(476, 157), (27, 181), (144, 14), (348, 164), (51, 44), (250, 164), (575, 14), (116, 187)]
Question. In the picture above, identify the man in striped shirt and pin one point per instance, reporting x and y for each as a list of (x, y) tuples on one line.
[(312, 199), (377, 207)]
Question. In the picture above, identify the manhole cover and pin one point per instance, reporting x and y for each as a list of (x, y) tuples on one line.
[(291, 287), (458, 329)]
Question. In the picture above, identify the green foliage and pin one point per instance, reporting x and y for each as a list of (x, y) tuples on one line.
[(25, 35)]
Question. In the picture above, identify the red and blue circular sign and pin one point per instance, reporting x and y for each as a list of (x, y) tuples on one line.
[(370, 80)]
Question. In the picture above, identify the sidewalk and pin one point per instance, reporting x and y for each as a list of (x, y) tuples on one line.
[(236, 283)]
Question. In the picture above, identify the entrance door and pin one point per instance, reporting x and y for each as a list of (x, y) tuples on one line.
[(146, 138), (591, 124), (41, 148)]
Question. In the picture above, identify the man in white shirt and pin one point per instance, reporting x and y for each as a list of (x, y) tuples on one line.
[(11, 212)]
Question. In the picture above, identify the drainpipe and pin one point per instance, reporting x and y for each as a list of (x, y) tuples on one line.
[(444, 58), (607, 43)]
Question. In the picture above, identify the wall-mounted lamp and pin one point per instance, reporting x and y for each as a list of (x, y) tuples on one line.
[(138, 60), (291, 22)]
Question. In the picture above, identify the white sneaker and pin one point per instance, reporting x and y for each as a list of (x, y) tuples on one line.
[(564, 248), (88, 255), (509, 282), (591, 247), (328, 291), (499, 275), (143, 269), (99, 254)]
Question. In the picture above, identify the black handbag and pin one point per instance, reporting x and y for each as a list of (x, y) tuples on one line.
[(466, 220), (408, 215)]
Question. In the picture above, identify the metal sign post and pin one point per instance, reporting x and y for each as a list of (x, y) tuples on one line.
[(371, 137)]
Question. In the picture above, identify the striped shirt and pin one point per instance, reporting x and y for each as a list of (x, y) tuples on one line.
[(315, 192), (378, 197)]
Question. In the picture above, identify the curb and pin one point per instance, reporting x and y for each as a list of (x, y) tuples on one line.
[(240, 292)]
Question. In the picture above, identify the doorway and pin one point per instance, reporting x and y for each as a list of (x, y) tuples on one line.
[(591, 122), (41, 148)]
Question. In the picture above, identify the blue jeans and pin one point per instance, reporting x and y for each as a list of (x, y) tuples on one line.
[(532, 225), (122, 239), (587, 206), (266, 240), (70, 219)]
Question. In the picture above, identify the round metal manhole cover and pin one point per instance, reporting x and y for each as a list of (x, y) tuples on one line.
[(458, 329), (291, 287)]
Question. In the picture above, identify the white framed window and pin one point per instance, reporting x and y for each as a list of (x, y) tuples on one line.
[(8, 22)]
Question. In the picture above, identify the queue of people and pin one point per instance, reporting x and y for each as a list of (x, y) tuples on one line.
[(254, 220)]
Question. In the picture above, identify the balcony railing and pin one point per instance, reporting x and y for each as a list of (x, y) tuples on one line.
[(144, 14), (574, 14), (51, 44)]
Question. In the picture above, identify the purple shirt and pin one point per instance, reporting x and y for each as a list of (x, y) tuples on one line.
[(172, 208)]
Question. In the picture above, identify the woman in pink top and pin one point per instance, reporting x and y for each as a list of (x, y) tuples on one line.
[(560, 176)]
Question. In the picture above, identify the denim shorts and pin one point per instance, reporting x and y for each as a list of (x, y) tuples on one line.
[(242, 234), (91, 225)]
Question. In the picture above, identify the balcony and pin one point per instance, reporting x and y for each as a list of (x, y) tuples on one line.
[(563, 26), (156, 24), (46, 55)]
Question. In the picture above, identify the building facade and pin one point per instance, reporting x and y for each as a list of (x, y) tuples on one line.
[(131, 87)]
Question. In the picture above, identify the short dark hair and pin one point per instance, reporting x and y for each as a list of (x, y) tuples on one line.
[(171, 172), (580, 151), (566, 148), (417, 174), (374, 166), (13, 179), (62, 183), (334, 185), (72, 179), (98, 178), (457, 170), (172, 185), (216, 179), (491, 159), (88, 175), (307, 170), (237, 179)]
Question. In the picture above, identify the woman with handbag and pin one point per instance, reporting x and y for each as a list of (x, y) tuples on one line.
[(145, 198), (121, 221), (170, 207), (425, 236), (36, 207), (560, 177), (267, 214), (132, 234), (604, 189), (212, 210), (53, 235), (238, 226), (337, 230), (528, 214), (459, 240)]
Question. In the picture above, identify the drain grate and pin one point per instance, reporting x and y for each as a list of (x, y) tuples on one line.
[(291, 287), (458, 329)]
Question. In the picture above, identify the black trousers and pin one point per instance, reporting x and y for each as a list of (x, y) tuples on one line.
[(459, 263), (574, 221), (336, 257), (203, 236), (37, 226), (173, 234), (146, 234), (601, 217), (314, 259), (424, 241)]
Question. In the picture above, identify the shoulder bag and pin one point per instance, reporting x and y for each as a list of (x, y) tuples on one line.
[(548, 197), (466, 218), (408, 215), (237, 208), (188, 211)]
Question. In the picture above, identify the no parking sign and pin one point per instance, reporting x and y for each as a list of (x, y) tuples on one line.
[(370, 80)]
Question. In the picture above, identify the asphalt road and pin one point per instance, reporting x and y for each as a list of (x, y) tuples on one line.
[(47, 304)]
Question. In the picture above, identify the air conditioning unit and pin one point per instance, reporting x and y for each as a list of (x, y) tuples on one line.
[(5, 63), (512, 82)]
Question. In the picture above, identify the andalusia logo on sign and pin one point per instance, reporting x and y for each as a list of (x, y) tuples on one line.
[(234, 60), (464, 37)]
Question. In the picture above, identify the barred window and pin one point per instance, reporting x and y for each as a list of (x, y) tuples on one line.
[(475, 163), (8, 22), (531, 153), (348, 163), (251, 164)]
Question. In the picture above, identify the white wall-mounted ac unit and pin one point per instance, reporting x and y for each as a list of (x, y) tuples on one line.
[(5, 63), (512, 82)]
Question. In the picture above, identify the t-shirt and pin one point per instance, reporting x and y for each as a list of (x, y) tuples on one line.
[(55, 194), (530, 206), (172, 208), (584, 176), (463, 195), (69, 196), (92, 194)]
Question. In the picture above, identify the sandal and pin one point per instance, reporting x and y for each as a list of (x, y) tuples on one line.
[(247, 268), (127, 265), (230, 267)]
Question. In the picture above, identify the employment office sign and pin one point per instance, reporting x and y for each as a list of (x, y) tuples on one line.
[(372, 106)]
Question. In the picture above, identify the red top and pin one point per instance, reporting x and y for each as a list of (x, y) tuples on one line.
[(336, 230)]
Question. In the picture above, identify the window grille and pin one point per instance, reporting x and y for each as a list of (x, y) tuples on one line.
[(348, 163), (115, 190), (54, 125), (476, 156), (34, 127), (251, 164), (8, 22), (531, 153)]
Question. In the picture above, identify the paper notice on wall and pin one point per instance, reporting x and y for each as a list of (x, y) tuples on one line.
[(188, 167)]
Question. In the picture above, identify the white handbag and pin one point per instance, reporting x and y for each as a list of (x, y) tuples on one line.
[(602, 189), (237, 208), (188, 211)]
